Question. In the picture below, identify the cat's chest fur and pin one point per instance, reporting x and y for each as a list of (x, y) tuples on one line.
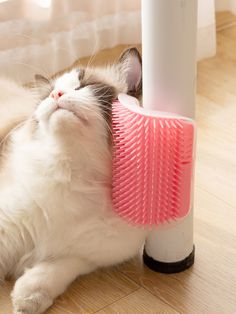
[(66, 210)]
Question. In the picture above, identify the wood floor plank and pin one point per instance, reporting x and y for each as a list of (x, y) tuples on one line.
[(225, 20), (138, 302), (203, 289), (216, 148), (226, 44), (92, 292), (229, 32), (218, 215)]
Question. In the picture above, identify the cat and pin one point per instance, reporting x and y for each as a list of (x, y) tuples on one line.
[(56, 216)]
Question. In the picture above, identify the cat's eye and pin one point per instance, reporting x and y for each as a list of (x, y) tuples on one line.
[(79, 87)]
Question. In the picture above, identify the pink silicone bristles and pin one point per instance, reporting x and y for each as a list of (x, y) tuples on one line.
[(152, 165)]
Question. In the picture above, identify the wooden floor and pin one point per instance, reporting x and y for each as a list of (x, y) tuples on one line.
[(210, 286)]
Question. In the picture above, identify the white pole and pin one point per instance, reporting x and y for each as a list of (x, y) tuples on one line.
[(169, 73)]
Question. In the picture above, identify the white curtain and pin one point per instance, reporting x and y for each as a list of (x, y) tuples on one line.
[(46, 36)]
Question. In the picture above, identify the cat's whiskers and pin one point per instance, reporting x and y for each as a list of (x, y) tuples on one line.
[(93, 54), (89, 109)]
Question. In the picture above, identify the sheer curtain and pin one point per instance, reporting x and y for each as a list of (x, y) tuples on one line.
[(46, 36)]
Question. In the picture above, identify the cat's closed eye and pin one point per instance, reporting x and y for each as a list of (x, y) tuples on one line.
[(82, 85), (78, 88)]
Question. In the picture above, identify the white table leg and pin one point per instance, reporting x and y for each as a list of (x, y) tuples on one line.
[(169, 73)]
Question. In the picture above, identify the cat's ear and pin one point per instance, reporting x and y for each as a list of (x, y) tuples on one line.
[(43, 85), (130, 63), (41, 79)]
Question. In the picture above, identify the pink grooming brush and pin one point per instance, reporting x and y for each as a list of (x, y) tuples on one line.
[(152, 163)]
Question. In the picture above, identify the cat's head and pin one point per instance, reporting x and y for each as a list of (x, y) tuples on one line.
[(79, 102)]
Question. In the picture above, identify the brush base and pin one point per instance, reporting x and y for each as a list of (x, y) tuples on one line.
[(169, 268)]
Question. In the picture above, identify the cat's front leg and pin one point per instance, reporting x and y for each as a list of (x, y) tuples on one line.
[(35, 291)]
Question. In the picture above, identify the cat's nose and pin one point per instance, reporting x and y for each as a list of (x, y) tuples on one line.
[(56, 94)]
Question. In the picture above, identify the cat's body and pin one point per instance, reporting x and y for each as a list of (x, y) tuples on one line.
[(56, 216)]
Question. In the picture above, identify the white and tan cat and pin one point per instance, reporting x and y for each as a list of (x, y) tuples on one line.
[(56, 216)]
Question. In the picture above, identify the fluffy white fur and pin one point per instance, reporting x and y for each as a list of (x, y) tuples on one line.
[(56, 216)]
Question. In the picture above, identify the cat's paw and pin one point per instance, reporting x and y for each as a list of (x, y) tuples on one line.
[(36, 302)]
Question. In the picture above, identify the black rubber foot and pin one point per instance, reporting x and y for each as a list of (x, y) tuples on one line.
[(169, 268)]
